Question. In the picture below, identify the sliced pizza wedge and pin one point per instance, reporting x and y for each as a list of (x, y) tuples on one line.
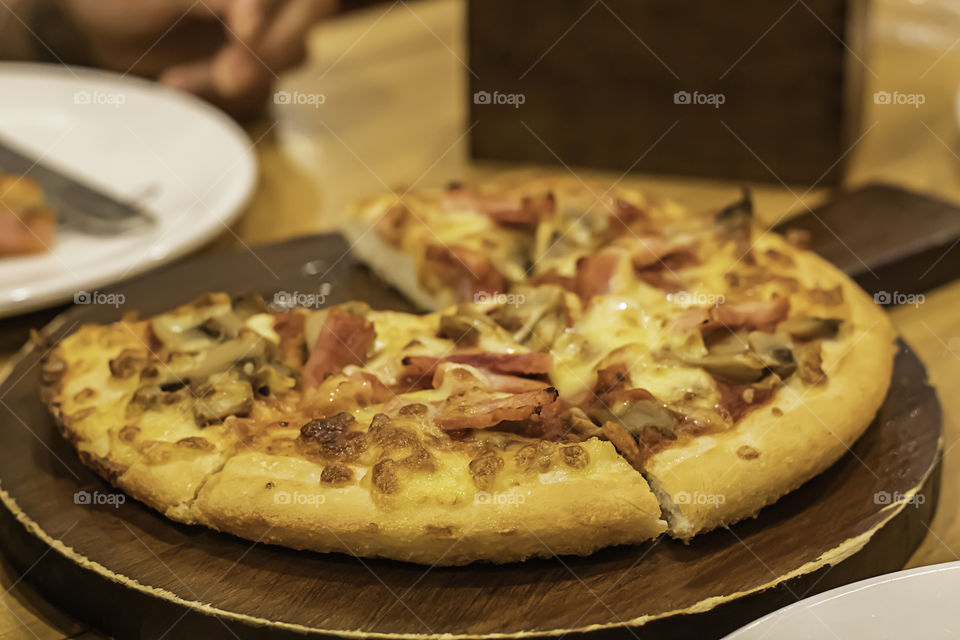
[(434, 439)]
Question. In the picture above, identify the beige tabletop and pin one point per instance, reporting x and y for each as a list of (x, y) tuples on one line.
[(393, 83)]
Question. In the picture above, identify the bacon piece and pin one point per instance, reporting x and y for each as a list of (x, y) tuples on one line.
[(466, 271), (506, 210), (25, 234), (513, 384), (27, 225), (344, 339), (369, 388), (527, 364), (480, 411), (627, 395), (594, 272), (647, 251), (489, 382), (625, 443), (690, 319), (611, 387), (611, 378), (760, 315), (623, 215), (501, 370), (289, 326)]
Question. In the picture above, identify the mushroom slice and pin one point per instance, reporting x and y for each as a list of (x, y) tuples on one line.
[(810, 327), (538, 315), (269, 379), (179, 330), (188, 366), (736, 368), (637, 415), (747, 358), (579, 424), (810, 362), (220, 396), (776, 350), (466, 327)]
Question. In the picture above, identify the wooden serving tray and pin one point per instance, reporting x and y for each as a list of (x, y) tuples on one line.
[(131, 572)]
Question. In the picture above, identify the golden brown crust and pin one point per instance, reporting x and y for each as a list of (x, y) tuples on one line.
[(282, 500)]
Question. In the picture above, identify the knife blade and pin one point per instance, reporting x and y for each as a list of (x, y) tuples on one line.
[(78, 206)]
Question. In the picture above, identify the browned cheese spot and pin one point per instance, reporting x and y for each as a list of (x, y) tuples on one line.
[(127, 364), (336, 474), (386, 434), (81, 415), (129, 433), (810, 362), (415, 409), (419, 459), (332, 437), (84, 395), (828, 297), (779, 257), (575, 456), (385, 477), (484, 470), (197, 443), (537, 456), (747, 452)]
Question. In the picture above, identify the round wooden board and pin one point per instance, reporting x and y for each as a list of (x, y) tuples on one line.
[(131, 572)]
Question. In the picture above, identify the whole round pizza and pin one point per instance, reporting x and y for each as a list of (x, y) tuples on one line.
[(596, 366)]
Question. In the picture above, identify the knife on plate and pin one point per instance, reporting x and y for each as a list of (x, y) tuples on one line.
[(79, 207)]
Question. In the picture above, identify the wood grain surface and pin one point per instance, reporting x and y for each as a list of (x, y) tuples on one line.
[(395, 87)]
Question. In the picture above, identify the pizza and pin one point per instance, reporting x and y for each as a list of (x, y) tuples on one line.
[(593, 367)]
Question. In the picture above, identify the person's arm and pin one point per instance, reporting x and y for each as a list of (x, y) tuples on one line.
[(227, 51)]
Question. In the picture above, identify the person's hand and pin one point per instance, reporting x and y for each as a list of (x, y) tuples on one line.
[(227, 51)]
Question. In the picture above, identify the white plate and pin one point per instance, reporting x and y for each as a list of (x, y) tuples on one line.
[(183, 159), (918, 603)]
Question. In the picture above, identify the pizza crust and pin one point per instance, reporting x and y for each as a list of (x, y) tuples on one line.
[(716, 480), (394, 266), (281, 500)]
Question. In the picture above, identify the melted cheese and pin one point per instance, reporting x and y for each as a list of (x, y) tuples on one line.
[(623, 328)]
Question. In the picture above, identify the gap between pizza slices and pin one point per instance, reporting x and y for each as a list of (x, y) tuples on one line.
[(597, 367)]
